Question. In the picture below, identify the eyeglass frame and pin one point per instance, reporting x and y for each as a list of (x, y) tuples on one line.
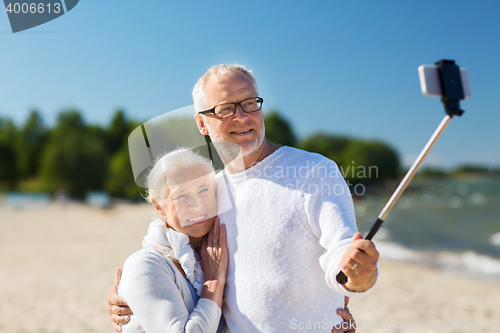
[(235, 106)]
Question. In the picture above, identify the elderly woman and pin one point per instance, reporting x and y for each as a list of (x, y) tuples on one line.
[(167, 285), (176, 282)]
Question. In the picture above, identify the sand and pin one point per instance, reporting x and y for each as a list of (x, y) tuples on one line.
[(58, 263), (420, 299)]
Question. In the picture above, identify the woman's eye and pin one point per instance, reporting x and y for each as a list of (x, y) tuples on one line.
[(205, 190), (181, 197)]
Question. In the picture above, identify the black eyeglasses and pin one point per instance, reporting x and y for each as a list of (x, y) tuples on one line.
[(228, 110)]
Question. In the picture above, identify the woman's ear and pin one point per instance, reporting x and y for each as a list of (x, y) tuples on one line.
[(158, 207)]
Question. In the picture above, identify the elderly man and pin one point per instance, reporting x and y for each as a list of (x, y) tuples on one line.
[(293, 226)]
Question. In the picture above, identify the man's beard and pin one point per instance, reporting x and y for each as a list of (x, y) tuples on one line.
[(229, 151)]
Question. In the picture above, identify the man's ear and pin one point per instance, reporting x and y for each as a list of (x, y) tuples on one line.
[(201, 124)]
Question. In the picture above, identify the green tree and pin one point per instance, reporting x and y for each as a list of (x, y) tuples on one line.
[(32, 138), (118, 131), (470, 168), (75, 158), (369, 161), (359, 161), (328, 145), (278, 130), (120, 179), (432, 172), (8, 157)]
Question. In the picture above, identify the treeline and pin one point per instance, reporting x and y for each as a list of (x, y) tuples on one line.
[(460, 171), (76, 157), (360, 161), (72, 156)]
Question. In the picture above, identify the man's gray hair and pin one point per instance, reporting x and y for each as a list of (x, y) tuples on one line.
[(199, 96)]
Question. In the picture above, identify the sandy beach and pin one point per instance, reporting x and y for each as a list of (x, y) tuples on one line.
[(57, 264)]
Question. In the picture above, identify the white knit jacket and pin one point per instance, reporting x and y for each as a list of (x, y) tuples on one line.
[(291, 221)]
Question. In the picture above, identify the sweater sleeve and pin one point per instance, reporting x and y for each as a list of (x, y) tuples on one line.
[(149, 287), (330, 212)]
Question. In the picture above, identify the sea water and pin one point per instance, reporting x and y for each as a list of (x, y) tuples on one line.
[(452, 224)]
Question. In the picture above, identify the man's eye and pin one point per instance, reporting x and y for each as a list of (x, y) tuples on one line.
[(205, 190), (250, 103), (180, 197)]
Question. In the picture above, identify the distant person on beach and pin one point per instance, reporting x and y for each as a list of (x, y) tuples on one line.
[(293, 226)]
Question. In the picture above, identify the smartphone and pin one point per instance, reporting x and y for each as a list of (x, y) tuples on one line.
[(430, 85)]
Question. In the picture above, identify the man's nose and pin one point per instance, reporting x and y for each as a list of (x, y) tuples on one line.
[(239, 114)]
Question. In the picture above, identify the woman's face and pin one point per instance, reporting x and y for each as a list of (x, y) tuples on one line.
[(190, 206)]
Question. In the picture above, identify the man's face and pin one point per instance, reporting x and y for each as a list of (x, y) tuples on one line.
[(244, 129)]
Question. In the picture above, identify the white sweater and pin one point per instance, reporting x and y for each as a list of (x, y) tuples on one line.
[(160, 298), (292, 221)]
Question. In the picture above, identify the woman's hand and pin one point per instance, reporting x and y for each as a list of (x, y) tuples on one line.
[(214, 260), (214, 256)]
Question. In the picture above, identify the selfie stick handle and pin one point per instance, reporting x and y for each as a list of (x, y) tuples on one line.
[(452, 93), (341, 277), (413, 170)]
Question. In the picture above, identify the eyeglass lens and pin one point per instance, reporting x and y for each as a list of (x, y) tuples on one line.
[(248, 105)]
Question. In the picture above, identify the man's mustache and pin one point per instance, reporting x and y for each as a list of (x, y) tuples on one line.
[(249, 124)]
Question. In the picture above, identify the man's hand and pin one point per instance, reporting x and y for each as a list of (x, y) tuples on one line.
[(117, 307), (349, 325), (359, 264)]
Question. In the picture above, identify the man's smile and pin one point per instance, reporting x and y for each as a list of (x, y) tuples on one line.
[(242, 131)]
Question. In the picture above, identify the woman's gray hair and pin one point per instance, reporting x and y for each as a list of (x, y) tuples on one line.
[(181, 158), (199, 96)]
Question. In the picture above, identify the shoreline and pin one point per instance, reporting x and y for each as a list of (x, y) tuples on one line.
[(467, 263)]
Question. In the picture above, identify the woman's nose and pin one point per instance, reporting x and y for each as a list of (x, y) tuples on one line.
[(194, 203)]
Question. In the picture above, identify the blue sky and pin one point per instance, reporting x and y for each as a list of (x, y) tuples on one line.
[(346, 68)]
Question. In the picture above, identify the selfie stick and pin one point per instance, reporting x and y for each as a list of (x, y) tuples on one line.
[(452, 93)]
